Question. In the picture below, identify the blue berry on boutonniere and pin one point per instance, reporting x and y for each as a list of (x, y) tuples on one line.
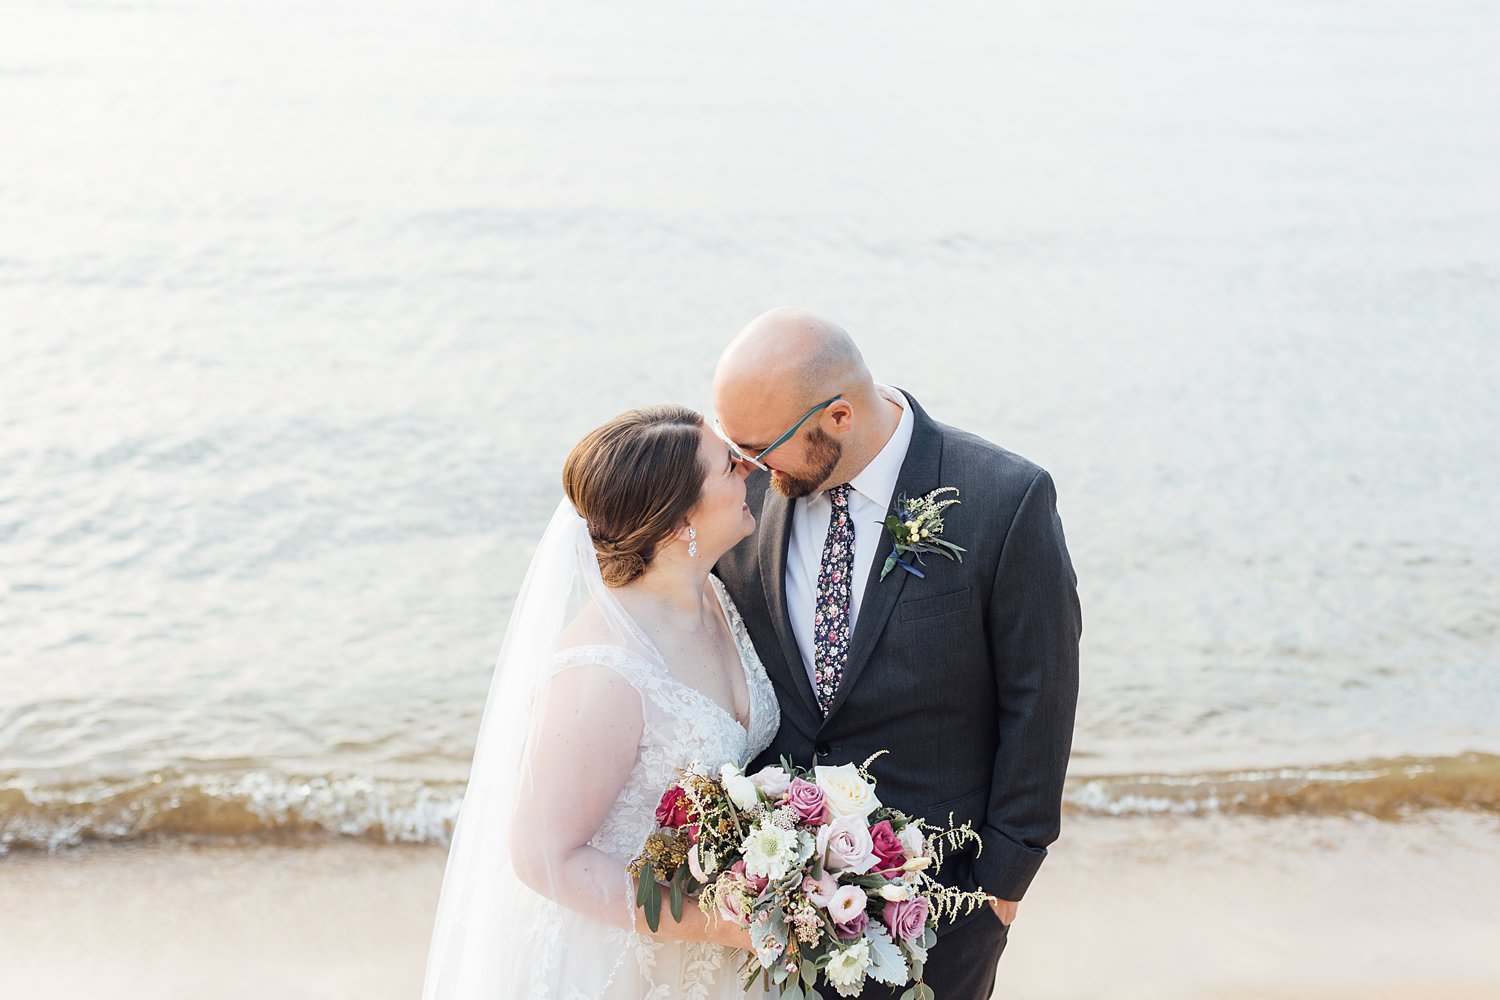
[(917, 527)]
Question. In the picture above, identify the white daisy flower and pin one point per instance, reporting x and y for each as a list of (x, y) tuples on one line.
[(769, 852)]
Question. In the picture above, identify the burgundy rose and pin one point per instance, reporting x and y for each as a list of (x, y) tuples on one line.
[(906, 920), (853, 928), (888, 849), (675, 809), (806, 800)]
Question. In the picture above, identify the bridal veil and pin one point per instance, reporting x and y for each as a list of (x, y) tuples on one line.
[(485, 940)]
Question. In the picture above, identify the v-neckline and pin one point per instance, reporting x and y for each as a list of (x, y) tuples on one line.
[(746, 727)]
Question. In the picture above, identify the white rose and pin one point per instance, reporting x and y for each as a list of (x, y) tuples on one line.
[(845, 844), (846, 793), (848, 965), (895, 892), (912, 841), (742, 792), (738, 787), (773, 781)]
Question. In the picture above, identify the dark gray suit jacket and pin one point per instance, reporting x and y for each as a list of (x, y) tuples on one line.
[(969, 677)]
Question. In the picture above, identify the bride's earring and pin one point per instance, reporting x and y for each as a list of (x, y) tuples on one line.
[(692, 542)]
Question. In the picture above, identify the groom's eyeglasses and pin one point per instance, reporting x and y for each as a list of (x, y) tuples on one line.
[(741, 455)]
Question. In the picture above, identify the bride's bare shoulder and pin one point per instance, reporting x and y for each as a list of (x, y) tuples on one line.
[(604, 623), (590, 627)]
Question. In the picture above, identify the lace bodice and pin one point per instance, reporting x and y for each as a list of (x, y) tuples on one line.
[(683, 728)]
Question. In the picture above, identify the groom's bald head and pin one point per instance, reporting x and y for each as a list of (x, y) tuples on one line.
[(778, 370), (789, 359)]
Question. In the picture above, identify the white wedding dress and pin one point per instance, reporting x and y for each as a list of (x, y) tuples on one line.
[(497, 938)]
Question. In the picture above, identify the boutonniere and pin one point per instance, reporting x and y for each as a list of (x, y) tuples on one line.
[(917, 527)]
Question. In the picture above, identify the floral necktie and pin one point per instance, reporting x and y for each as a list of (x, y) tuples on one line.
[(831, 615)]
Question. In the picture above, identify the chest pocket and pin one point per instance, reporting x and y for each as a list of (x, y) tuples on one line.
[(939, 604)]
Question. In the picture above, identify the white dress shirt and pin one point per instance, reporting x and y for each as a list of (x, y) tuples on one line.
[(870, 495)]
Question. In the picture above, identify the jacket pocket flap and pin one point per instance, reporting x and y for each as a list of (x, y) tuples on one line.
[(931, 607)]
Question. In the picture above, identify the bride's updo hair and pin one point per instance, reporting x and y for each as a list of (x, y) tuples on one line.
[(634, 480)]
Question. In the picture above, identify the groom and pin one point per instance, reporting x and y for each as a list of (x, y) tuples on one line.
[(966, 672)]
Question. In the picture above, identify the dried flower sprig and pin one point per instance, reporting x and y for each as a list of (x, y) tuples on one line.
[(917, 527)]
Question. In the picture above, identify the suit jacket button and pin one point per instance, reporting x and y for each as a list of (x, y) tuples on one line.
[(823, 749)]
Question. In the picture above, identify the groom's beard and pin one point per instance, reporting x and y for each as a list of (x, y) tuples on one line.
[(824, 454)]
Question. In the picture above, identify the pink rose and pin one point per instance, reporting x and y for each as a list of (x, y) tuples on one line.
[(756, 882), (738, 893), (845, 844), (675, 809), (734, 902), (887, 846), (695, 865), (906, 920), (820, 891), (806, 800), (853, 928), (773, 782)]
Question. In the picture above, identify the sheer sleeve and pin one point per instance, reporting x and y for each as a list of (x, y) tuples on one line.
[(577, 742), (579, 755), (585, 744)]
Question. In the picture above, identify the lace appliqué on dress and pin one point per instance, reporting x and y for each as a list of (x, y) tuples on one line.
[(683, 727)]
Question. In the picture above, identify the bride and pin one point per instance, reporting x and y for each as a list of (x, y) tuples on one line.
[(623, 662)]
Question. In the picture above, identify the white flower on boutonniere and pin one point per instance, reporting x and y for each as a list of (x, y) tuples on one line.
[(917, 527)]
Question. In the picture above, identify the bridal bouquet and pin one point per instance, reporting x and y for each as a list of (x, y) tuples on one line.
[(831, 884)]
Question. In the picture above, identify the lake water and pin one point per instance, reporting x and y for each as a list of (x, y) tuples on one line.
[(303, 304)]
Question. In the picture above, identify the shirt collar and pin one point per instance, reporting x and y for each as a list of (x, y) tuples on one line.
[(876, 482)]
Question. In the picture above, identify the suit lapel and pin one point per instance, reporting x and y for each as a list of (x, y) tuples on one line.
[(774, 535), (919, 475)]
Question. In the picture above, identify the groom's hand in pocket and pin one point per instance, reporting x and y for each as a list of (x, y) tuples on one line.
[(1004, 909)]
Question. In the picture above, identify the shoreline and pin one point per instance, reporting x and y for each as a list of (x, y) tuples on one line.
[(1188, 909)]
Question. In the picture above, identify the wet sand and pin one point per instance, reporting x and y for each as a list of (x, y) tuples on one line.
[(1124, 909)]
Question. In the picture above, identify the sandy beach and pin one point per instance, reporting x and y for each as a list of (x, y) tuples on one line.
[(305, 305), (1125, 910)]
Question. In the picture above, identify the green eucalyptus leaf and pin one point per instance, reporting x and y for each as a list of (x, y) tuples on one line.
[(653, 907), (676, 901), (646, 879)]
